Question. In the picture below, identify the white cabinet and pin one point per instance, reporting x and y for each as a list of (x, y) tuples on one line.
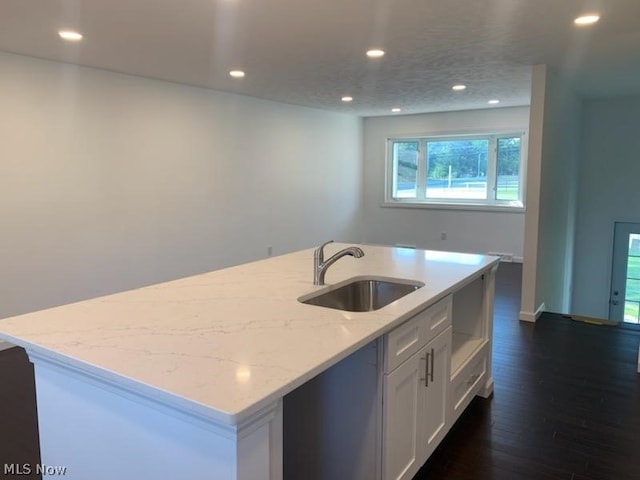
[(403, 419), (435, 363), (417, 366), (437, 391), (414, 417)]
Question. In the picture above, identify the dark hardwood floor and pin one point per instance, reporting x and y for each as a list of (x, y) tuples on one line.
[(18, 419), (566, 403)]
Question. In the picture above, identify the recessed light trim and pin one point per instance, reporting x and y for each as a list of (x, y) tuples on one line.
[(493, 101), (588, 19), (347, 99), (459, 87), (70, 35), (236, 73), (375, 53)]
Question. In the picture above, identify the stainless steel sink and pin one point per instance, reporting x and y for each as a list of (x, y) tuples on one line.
[(362, 294)]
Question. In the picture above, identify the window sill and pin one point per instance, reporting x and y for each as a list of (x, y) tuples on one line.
[(455, 206)]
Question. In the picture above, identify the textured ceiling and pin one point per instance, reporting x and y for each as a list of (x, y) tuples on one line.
[(312, 52)]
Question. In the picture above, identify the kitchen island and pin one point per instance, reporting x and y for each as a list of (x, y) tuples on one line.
[(186, 379)]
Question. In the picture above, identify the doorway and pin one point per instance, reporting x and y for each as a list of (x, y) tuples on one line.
[(624, 300)]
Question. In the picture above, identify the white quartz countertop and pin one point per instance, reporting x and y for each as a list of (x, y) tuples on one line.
[(224, 345)]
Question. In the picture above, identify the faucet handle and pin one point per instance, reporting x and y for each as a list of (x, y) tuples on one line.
[(319, 254), (325, 244)]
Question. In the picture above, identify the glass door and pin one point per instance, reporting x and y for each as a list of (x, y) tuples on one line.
[(624, 302)]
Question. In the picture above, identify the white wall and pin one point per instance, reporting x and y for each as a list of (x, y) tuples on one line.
[(554, 148), (468, 231), (110, 182), (529, 304), (608, 192), (558, 193)]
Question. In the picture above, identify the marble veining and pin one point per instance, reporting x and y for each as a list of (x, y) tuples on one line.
[(225, 344)]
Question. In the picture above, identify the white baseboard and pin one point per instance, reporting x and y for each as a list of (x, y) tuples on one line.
[(5, 345), (527, 316), (532, 317)]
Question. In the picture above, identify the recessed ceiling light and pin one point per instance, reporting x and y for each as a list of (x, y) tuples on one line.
[(396, 110), (70, 35), (589, 19), (347, 98), (236, 73), (458, 88), (495, 101), (375, 53)]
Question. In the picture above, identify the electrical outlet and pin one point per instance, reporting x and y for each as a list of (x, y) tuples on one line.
[(443, 236), (269, 251)]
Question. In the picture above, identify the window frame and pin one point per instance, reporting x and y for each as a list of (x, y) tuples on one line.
[(422, 201)]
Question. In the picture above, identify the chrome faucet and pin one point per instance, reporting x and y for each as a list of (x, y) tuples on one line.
[(320, 266)]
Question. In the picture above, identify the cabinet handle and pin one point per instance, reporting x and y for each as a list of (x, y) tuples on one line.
[(426, 370), (433, 360)]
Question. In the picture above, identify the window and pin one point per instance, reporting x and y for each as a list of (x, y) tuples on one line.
[(463, 170)]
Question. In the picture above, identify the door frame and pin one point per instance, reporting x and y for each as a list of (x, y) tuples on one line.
[(619, 257)]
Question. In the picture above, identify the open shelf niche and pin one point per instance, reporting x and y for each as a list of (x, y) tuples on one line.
[(470, 332)]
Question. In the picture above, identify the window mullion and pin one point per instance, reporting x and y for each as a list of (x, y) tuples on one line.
[(422, 170), (392, 168), (492, 170)]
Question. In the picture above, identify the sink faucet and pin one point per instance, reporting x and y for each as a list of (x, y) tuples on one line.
[(320, 266)]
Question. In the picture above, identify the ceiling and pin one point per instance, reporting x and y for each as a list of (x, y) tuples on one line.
[(312, 52)]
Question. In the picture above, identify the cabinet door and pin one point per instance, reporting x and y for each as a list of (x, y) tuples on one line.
[(403, 419), (436, 391)]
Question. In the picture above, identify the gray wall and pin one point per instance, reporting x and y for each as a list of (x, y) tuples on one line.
[(608, 192), (467, 231), (558, 192), (554, 146), (109, 182)]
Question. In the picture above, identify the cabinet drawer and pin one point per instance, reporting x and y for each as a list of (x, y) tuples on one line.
[(437, 317), (468, 382), (415, 333)]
